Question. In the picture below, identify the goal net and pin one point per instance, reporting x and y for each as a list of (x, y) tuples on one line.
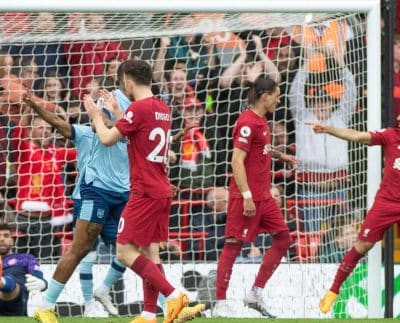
[(202, 64)]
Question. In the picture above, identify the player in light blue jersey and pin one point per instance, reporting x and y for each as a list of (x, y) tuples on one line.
[(84, 140)]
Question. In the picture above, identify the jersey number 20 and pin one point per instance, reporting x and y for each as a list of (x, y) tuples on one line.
[(156, 155)]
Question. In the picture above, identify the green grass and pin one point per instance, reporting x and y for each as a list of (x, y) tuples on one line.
[(200, 320)]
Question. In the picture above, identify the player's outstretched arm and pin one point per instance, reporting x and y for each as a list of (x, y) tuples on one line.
[(50, 117), (107, 137), (342, 133)]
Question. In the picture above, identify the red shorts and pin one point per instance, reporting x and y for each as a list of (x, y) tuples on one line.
[(144, 221), (268, 218), (380, 217)]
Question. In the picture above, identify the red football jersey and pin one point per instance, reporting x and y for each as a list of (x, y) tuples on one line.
[(147, 124), (389, 139), (39, 173), (251, 133)]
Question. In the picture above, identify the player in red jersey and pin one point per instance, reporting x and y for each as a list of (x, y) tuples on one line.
[(386, 208), (251, 208), (144, 221)]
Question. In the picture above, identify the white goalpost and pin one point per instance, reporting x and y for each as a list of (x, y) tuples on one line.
[(232, 42)]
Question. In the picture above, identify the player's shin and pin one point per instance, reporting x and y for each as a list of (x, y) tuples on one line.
[(229, 253), (86, 275)]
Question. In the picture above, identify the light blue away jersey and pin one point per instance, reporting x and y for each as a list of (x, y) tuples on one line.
[(82, 138), (108, 167)]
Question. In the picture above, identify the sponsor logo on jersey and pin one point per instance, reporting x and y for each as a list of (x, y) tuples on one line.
[(245, 131), (244, 140), (129, 116)]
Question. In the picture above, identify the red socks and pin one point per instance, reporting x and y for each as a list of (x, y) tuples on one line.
[(228, 255), (272, 258), (150, 294), (347, 265), (151, 274)]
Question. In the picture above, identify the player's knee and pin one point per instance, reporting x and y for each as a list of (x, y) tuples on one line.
[(283, 240), (79, 252), (125, 256)]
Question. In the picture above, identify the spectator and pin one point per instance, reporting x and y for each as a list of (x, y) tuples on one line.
[(28, 72), (12, 93), (322, 40), (212, 221), (8, 63), (286, 61), (110, 69), (194, 50), (75, 111), (172, 79), (198, 151), (19, 275), (276, 39), (93, 87), (337, 240), (88, 58), (231, 99), (48, 55), (41, 201), (55, 90), (323, 171)]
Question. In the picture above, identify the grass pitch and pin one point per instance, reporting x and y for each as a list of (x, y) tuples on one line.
[(199, 320)]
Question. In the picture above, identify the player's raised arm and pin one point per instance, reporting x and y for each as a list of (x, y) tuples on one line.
[(50, 117), (107, 137), (342, 133)]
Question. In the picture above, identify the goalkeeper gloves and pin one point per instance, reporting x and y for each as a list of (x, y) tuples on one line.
[(34, 284)]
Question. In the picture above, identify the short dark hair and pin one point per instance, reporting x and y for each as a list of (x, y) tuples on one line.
[(5, 226), (120, 71), (139, 71), (259, 87)]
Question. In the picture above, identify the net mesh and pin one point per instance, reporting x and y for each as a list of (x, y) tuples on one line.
[(202, 63)]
